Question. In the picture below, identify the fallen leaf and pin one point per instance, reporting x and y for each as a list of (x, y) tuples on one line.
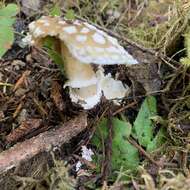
[(56, 96), (143, 129), (21, 80)]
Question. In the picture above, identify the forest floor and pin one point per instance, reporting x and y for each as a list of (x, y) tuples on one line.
[(143, 143)]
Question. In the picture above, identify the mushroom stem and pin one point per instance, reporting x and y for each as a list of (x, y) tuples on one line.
[(79, 74)]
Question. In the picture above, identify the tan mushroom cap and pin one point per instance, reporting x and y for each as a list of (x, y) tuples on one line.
[(85, 42)]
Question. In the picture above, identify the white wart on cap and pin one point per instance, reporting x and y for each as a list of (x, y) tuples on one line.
[(80, 45)]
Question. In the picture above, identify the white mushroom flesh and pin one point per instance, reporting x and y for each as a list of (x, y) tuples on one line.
[(112, 89), (87, 97)]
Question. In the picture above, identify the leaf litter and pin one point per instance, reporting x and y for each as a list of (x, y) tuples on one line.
[(151, 126)]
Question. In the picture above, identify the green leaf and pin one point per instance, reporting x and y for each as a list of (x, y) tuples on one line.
[(10, 10), (54, 55), (157, 141), (100, 134), (7, 19), (144, 126), (6, 22), (55, 10), (123, 153), (6, 39), (70, 14)]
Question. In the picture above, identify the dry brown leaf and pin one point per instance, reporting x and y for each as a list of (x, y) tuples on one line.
[(21, 80), (56, 96)]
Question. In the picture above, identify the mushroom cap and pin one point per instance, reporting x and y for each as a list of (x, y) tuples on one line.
[(85, 42)]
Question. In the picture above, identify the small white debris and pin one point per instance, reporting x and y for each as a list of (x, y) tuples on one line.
[(87, 153), (78, 166)]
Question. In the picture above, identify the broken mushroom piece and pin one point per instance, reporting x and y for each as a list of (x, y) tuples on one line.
[(81, 45), (87, 97), (110, 87)]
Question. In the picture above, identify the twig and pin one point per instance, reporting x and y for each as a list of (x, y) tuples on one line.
[(26, 151), (142, 151), (106, 166), (124, 108)]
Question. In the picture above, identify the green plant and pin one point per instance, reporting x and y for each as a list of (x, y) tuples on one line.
[(124, 154), (143, 128), (7, 18)]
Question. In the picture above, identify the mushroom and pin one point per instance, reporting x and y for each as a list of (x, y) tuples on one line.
[(81, 45)]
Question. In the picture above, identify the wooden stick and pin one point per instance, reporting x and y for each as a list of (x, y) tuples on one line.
[(44, 142), (142, 151)]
